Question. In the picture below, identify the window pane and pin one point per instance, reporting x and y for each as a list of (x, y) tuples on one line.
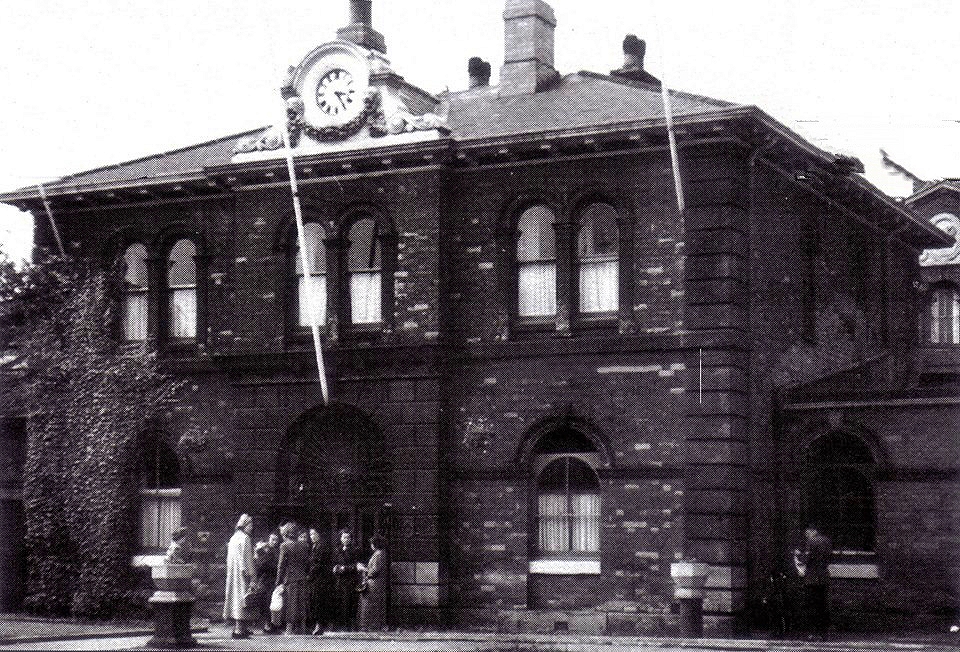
[(553, 530), (536, 237), (599, 286), (536, 289), (585, 522), (159, 517), (182, 268), (135, 307), (135, 260), (318, 284), (183, 313), (365, 297), (364, 253), (316, 252), (599, 236)]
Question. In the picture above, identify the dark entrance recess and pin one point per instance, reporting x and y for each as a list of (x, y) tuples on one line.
[(333, 474)]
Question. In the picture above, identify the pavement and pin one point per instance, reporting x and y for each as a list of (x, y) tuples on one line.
[(218, 637)]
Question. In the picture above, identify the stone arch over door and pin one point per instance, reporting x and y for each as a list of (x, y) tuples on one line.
[(333, 473)]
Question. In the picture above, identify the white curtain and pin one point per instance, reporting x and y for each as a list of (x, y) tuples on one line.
[(599, 286), (183, 312), (585, 522), (573, 527), (552, 522), (537, 285), (365, 297), (135, 307), (318, 284), (159, 516)]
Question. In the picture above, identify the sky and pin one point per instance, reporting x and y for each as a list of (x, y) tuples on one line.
[(86, 84)]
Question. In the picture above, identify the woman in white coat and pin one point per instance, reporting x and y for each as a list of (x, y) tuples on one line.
[(240, 572)]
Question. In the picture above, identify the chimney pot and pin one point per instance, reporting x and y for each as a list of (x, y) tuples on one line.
[(360, 30), (361, 12), (634, 50), (479, 71)]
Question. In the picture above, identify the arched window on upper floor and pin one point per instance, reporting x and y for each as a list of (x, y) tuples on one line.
[(182, 290), (944, 314), (313, 235), (840, 497), (160, 494), (136, 293), (364, 270), (598, 260), (536, 264)]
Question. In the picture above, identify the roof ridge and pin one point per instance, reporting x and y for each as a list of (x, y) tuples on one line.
[(147, 157), (616, 79)]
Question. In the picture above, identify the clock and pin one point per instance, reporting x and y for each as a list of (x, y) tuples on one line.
[(336, 92), (333, 82)]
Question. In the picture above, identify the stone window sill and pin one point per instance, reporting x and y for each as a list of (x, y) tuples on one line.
[(565, 567), (854, 571), (146, 560)]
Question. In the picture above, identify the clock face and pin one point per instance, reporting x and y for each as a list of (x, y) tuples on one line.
[(336, 93)]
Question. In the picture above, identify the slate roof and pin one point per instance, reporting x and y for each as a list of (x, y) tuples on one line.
[(577, 100)]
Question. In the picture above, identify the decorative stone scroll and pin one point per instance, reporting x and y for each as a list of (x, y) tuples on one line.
[(949, 224)]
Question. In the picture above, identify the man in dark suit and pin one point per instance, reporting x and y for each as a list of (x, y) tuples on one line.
[(813, 565), (346, 578)]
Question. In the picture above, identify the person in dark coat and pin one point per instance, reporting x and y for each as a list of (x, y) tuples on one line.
[(266, 556), (373, 599), (292, 570), (346, 574), (320, 584), (813, 565)]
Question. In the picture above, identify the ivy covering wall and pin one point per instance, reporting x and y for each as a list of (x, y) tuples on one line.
[(91, 396)]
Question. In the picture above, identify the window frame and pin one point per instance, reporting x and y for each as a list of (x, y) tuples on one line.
[(142, 291), (934, 322), (533, 322), (294, 276), (541, 461), (169, 489), (814, 471), (593, 317), (170, 343), (377, 247)]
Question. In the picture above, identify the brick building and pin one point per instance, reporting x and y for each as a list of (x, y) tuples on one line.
[(547, 384)]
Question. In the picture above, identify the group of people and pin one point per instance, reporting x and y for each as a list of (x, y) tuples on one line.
[(292, 581)]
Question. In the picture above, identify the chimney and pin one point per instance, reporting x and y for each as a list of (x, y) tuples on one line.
[(360, 30), (528, 47), (479, 71), (634, 49)]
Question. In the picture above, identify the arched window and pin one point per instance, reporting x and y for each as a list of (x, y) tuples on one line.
[(135, 293), (365, 272), (536, 264), (598, 260), (840, 490), (160, 491), (944, 314), (316, 256), (182, 289), (568, 496)]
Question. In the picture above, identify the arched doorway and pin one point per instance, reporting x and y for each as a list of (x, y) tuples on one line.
[(333, 474)]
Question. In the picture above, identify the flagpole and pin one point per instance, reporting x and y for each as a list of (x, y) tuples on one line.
[(668, 113), (304, 259), (53, 225)]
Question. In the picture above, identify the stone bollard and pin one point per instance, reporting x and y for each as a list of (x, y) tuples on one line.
[(689, 578), (172, 604)]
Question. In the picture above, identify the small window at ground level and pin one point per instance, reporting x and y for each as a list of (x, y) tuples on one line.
[(568, 508), (160, 495), (840, 495)]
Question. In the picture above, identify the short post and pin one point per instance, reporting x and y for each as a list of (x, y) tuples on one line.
[(172, 603), (689, 578)]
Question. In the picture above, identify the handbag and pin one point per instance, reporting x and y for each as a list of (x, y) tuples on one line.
[(276, 599)]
